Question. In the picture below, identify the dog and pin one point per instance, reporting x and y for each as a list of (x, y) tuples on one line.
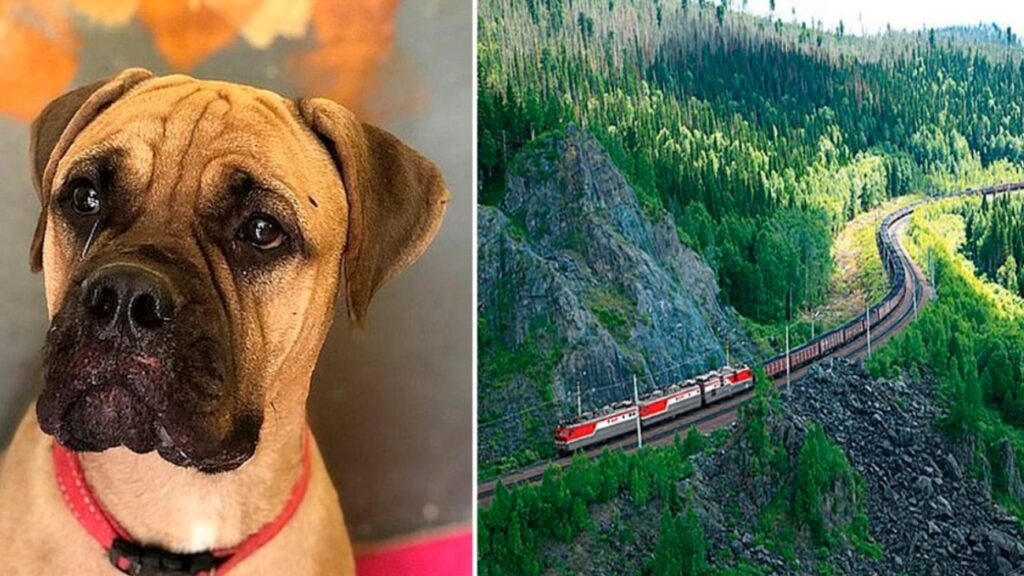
[(193, 238)]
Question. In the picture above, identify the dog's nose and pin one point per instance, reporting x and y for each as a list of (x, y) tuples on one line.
[(128, 297)]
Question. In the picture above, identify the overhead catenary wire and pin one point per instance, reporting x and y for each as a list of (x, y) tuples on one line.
[(624, 384)]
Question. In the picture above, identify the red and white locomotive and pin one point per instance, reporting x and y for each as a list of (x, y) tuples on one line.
[(680, 398)]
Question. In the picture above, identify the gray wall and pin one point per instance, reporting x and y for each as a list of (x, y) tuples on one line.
[(392, 407)]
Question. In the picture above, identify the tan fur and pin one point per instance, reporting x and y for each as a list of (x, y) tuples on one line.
[(371, 216)]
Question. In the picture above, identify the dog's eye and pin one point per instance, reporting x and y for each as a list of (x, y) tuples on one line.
[(85, 199), (262, 231)]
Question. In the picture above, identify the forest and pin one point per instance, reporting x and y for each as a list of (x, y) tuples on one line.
[(971, 338), (519, 522), (760, 136), (994, 231)]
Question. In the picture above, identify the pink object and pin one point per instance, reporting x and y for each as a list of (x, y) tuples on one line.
[(448, 554)]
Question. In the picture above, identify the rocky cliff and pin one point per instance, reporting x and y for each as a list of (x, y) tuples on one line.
[(578, 286)]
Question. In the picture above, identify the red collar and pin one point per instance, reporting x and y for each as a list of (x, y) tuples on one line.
[(129, 557)]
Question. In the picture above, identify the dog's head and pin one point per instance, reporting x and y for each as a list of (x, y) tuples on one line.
[(192, 237)]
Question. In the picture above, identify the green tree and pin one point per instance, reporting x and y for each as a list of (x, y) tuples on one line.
[(681, 547)]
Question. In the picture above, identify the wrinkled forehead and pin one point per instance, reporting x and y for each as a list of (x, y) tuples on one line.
[(177, 132)]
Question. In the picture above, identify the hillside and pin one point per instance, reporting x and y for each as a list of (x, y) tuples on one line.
[(760, 137), (578, 286), (849, 477), (970, 337)]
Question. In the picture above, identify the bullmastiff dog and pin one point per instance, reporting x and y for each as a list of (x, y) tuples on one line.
[(193, 237)]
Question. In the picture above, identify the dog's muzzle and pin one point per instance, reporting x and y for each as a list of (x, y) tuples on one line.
[(138, 356)]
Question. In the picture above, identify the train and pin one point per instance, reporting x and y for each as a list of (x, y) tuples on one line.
[(661, 404), (996, 189), (617, 419), (894, 263)]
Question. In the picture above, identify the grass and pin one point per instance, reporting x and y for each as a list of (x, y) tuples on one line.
[(614, 311), (858, 275)]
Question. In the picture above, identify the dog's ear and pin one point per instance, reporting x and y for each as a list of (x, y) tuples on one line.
[(56, 127), (396, 199)]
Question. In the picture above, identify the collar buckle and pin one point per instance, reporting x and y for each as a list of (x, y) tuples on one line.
[(137, 560)]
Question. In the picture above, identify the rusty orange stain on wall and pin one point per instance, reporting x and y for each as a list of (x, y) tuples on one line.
[(38, 56), (352, 39), (187, 33)]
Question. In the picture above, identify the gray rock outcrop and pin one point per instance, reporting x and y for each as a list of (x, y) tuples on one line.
[(578, 284)]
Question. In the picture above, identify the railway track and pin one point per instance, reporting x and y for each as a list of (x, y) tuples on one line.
[(724, 413)]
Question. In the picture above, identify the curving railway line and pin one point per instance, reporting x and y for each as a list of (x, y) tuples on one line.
[(909, 289)]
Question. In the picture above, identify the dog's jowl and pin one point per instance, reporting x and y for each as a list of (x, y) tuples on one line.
[(193, 239)]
